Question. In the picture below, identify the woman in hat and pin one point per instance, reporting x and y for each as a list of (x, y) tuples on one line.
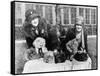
[(78, 33), (34, 26)]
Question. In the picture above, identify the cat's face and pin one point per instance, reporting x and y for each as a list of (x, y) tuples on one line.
[(48, 57)]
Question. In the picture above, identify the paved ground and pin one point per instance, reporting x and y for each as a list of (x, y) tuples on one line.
[(21, 47)]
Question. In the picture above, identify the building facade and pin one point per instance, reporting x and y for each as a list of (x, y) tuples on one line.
[(58, 14)]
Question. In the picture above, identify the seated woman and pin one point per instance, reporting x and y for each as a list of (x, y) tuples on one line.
[(77, 46), (76, 34)]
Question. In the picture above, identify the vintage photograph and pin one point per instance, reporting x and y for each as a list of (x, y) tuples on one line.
[(51, 37)]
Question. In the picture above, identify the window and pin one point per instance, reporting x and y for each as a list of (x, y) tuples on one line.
[(48, 13), (89, 30), (19, 10), (66, 15), (28, 6), (87, 16), (41, 10), (16, 21), (73, 15), (18, 16), (38, 8), (19, 21), (93, 16), (94, 30), (81, 13)]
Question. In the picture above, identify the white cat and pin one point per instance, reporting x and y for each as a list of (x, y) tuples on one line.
[(38, 43)]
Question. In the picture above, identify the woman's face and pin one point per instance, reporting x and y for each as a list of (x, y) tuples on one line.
[(35, 22), (78, 27)]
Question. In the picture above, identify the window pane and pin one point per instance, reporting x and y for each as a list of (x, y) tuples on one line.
[(93, 16), (28, 6), (18, 14), (38, 9), (19, 21), (89, 29), (87, 17), (81, 11), (18, 10), (73, 15), (48, 13), (41, 10), (94, 30), (16, 21), (66, 15)]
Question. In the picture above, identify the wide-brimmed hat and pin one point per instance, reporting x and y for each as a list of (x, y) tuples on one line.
[(31, 14), (79, 20)]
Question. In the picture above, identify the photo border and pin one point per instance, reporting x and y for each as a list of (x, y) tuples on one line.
[(13, 37)]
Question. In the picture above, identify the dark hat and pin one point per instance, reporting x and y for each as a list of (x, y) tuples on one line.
[(79, 20), (31, 14)]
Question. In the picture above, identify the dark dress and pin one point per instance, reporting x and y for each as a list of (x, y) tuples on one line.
[(71, 34)]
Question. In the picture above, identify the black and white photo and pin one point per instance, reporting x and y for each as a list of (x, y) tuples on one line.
[(53, 37)]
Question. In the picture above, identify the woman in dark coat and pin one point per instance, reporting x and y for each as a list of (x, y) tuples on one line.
[(75, 33), (34, 26)]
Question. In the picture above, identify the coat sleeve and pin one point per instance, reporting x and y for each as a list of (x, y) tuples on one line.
[(27, 31), (70, 35), (43, 24)]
